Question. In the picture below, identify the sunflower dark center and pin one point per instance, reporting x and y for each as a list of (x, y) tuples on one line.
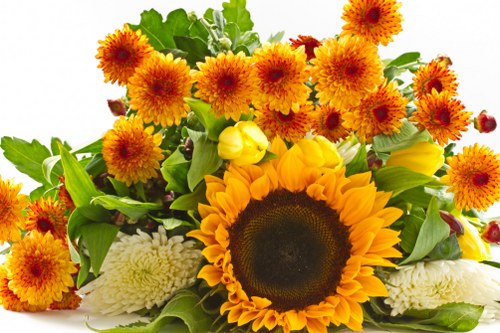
[(45, 224), (480, 178), (123, 55), (227, 82), (276, 75), (332, 121), (284, 117), (290, 249), (435, 84), (443, 116), (36, 269), (372, 15), (381, 113)]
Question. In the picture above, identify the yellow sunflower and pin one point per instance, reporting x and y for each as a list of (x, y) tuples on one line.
[(326, 121), (47, 215), (228, 83), (9, 300), (291, 127), (442, 115), (293, 241), (121, 53), (381, 111), (473, 177), (345, 70), (434, 75), (158, 88), (40, 269), (11, 207), (375, 20), (310, 43), (281, 72), (132, 153)]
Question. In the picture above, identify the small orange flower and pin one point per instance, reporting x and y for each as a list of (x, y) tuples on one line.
[(309, 42), (11, 207), (64, 196), (70, 301), (327, 122), (47, 215), (434, 75)]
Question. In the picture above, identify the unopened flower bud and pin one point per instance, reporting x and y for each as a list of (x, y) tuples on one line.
[(444, 60), (491, 233), (373, 161), (243, 143), (192, 17), (485, 123), (456, 227), (225, 43), (117, 107), (423, 157)]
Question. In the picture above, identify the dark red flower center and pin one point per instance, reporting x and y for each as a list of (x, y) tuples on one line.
[(123, 55), (285, 117), (227, 82), (443, 116), (480, 178), (332, 121), (372, 15), (45, 224), (351, 70), (275, 75), (436, 84), (124, 151), (381, 113), (36, 269), (160, 88)]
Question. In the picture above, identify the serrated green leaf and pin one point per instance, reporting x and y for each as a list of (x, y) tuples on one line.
[(132, 208), (405, 59), (213, 125), (205, 159), (98, 238), (408, 136), (174, 170), (197, 29), (195, 48), (190, 201), (250, 40), (235, 11)]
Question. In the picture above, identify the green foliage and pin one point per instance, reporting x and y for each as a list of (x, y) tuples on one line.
[(213, 125), (448, 249), (97, 238), (235, 11), (359, 163), (189, 201), (205, 158), (398, 179), (174, 170), (407, 137), (132, 208)]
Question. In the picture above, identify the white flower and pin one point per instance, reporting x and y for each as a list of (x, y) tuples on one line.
[(141, 271), (427, 285)]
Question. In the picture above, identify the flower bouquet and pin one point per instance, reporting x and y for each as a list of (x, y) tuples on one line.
[(265, 186)]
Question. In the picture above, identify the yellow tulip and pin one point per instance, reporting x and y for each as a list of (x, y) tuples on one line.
[(318, 152), (243, 143), (423, 157), (471, 244)]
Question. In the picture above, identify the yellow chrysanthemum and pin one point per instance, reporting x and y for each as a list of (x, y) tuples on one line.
[(11, 207), (473, 177), (291, 127), (326, 121), (293, 241), (121, 53), (228, 83), (381, 111), (442, 115), (39, 269), (47, 215), (281, 72), (132, 153), (375, 20), (434, 75), (9, 300), (158, 88), (345, 70)]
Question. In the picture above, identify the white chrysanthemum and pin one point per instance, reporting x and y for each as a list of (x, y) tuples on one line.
[(427, 285), (141, 271)]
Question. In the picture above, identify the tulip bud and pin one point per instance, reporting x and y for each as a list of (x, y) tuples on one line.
[(472, 245), (456, 227), (485, 123), (491, 233), (117, 107), (423, 157), (243, 143)]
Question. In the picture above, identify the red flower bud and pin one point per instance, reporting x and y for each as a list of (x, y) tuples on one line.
[(456, 227), (485, 123), (117, 107), (491, 233), (444, 60), (373, 161)]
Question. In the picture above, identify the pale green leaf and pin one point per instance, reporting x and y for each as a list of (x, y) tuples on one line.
[(174, 170), (213, 125), (97, 238), (398, 179), (190, 201), (235, 11), (132, 208), (407, 137), (205, 159)]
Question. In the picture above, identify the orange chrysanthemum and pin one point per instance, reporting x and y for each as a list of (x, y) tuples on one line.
[(9, 300), (228, 83), (381, 111), (11, 207), (132, 153), (473, 177), (121, 53), (158, 88), (442, 115), (70, 301), (434, 75), (47, 215), (327, 121), (64, 196), (345, 70), (295, 247), (291, 127), (375, 20), (282, 73), (309, 42), (40, 269)]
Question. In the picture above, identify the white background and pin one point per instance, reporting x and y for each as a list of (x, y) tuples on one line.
[(50, 85)]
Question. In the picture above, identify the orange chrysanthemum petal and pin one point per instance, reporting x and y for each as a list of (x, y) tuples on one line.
[(12, 205), (10, 301), (309, 43), (434, 75), (326, 121), (47, 215)]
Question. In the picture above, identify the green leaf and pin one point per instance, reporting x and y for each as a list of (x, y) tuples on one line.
[(233, 33), (132, 208), (97, 238), (54, 145), (174, 170), (75, 222), (407, 137), (195, 48), (197, 29), (359, 163), (277, 37), (398, 179), (84, 270), (219, 23), (409, 234), (190, 201), (449, 249), (405, 59), (417, 196), (171, 223), (433, 231), (121, 188), (205, 159), (213, 125), (235, 11), (250, 40)]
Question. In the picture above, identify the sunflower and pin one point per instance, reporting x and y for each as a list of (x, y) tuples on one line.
[(381, 111), (158, 88), (47, 215), (326, 120), (121, 53), (132, 153), (434, 75), (9, 300), (40, 269), (281, 73), (473, 177), (228, 83), (345, 70), (375, 20), (293, 241), (309, 42), (291, 127), (442, 115), (11, 207)]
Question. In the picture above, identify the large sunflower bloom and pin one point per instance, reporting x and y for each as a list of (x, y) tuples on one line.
[(291, 127), (40, 269), (345, 70), (158, 88), (121, 53), (434, 75), (9, 300), (473, 177), (282, 73), (47, 215), (326, 121), (293, 241), (228, 83), (381, 111), (442, 115), (11, 211), (375, 20), (132, 153)]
